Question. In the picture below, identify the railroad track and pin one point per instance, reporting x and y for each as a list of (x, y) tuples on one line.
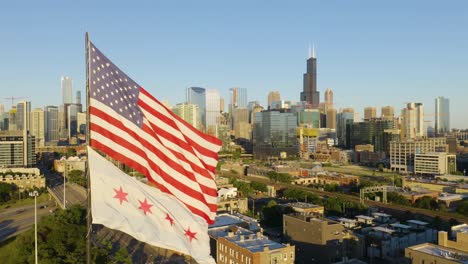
[(396, 207)]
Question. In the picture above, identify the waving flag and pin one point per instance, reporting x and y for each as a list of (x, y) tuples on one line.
[(144, 212), (133, 127)]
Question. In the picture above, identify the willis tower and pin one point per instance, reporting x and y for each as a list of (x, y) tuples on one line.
[(310, 94)]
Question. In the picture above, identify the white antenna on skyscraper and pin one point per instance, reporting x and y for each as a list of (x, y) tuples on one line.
[(313, 52)]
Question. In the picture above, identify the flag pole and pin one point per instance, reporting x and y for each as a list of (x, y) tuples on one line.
[(89, 216)]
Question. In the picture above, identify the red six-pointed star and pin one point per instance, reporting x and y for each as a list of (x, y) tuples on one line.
[(121, 195), (191, 235), (169, 218), (145, 206)]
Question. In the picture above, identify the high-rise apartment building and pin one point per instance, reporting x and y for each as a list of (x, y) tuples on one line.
[(188, 112), (310, 93), (51, 116), (212, 110), (273, 96), (197, 96), (442, 115), (17, 149), (22, 115), (388, 112), (67, 90), (37, 126), (412, 121), (370, 112)]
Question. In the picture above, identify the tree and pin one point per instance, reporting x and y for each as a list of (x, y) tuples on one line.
[(427, 202), (259, 186), (71, 152), (76, 176), (463, 208), (6, 191), (397, 199)]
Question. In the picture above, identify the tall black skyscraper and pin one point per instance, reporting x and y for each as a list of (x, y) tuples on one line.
[(310, 94)]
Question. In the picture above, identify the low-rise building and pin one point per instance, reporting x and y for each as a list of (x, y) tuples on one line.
[(389, 241), (234, 244), (319, 240), (23, 178), (435, 185), (70, 163), (435, 163), (445, 252)]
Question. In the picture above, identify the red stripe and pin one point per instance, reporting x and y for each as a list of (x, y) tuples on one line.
[(202, 150), (194, 194), (211, 139), (160, 132)]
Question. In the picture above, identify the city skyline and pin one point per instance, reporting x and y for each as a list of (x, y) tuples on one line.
[(382, 64)]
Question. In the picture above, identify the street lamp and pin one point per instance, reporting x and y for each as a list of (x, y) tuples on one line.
[(35, 194)]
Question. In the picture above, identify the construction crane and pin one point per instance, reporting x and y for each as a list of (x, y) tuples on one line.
[(14, 98)]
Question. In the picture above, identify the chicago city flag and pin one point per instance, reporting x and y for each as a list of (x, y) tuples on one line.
[(123, 203)]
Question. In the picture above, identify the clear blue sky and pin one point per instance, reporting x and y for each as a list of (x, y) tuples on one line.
[(370, 53)]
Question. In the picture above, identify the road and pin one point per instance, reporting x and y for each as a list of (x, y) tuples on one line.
[(14, 221), (74, 194)]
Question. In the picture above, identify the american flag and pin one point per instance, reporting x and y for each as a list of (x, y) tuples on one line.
[(133, 127)]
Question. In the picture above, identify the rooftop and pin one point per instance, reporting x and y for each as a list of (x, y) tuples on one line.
[(364, 217), (303, 205), (400, 226), (254, 242), (416, 222), (442, 252), (463, 228)]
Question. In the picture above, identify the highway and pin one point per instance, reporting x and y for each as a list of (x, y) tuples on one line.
[(14, 221), (74, 194), (395, 207)]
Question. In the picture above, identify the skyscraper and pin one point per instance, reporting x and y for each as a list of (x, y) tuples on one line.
[(188, 112), (412, 121), (78, 97), (310, 93), (51, 116), (370, 112), (37, 127), (273, 96), (238, 98), (442, 115), (197, 96), (212, 110), (331, 118), (329, 98), (22, 115), (388, 113), (67, 89)]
